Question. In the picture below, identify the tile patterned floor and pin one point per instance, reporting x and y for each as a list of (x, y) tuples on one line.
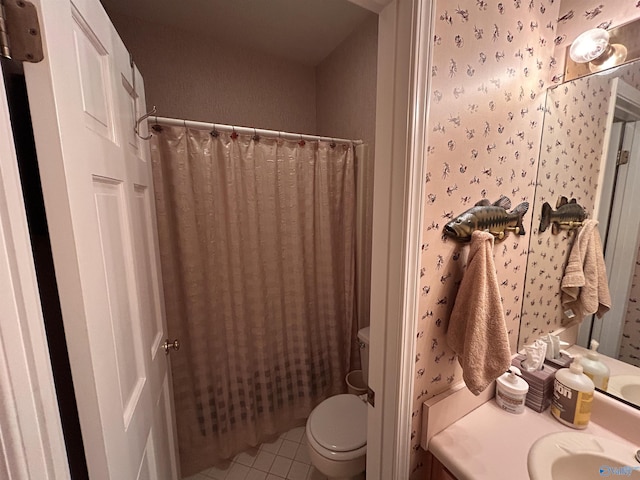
[(284, 458)]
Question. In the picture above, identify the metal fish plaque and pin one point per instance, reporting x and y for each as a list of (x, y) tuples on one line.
[(492, 217), (568, 215)]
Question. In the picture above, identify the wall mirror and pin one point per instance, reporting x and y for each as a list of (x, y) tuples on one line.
[(590, 152)]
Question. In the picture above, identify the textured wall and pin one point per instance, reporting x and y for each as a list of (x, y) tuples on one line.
[(491, 63), (570, 157), (346, 86), (187, 76), (346, 107)]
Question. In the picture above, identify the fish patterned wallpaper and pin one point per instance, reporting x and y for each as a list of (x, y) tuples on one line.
[(491, 65), (577, 16), (572, 147), (630, 342)]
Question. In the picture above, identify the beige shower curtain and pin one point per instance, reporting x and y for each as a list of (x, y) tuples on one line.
[(257, 253)]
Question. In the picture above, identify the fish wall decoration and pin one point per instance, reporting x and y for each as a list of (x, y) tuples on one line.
[(567, 215), (494, 218)]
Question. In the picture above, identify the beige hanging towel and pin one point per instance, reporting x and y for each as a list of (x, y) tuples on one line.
[(477, 330), (585, 288)]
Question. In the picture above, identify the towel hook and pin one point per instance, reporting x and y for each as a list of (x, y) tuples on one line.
[(142, 119)]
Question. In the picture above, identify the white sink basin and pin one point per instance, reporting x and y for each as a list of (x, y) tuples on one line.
[(581, 456), (625, 386)]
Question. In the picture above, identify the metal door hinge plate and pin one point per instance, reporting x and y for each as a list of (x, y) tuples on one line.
[(623, 157), (20, 31), (371, 397)]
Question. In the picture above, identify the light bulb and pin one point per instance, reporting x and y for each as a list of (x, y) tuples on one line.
[(589, 45)]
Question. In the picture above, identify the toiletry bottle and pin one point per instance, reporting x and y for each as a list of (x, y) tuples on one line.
[(572, 395), (511, 391), (594, 368)]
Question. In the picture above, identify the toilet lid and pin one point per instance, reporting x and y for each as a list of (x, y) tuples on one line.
[(340, 423)]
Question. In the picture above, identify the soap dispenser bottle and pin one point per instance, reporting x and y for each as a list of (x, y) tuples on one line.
[(511, 391), (594, 368), (572, 395)]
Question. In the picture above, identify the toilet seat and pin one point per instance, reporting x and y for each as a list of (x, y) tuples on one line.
[(337, 428)]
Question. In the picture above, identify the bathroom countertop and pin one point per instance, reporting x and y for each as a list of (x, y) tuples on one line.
[(492, 444)]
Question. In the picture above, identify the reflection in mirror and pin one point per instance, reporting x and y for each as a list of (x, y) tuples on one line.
[(587, 123)]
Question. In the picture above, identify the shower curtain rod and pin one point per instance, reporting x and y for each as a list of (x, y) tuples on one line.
[(176, 122)]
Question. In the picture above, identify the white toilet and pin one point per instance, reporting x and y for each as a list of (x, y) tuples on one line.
[(337, 429)]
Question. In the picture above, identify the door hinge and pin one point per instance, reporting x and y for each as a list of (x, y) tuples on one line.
[(623, 157), (20, 31), (371, 397)]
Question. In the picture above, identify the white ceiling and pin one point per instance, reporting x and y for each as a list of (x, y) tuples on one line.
[(305, 31)]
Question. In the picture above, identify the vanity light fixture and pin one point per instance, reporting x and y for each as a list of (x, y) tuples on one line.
[(616, 54), (593, 47), (601, 50), (589, 45)]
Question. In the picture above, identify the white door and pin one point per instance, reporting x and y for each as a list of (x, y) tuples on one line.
[(98, 194)]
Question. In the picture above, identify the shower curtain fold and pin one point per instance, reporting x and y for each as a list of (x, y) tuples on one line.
[(257, 253)]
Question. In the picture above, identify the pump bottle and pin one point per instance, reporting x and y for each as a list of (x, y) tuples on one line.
[(594, 368), (572, 395)]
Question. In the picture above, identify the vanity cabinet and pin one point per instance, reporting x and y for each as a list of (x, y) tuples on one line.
[(438, 471)]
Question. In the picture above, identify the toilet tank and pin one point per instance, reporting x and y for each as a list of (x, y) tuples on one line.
[(363, 337)]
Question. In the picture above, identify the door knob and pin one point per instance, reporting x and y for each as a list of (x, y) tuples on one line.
[(167, 345)]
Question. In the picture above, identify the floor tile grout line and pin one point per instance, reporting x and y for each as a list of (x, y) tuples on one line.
[(298, 440)]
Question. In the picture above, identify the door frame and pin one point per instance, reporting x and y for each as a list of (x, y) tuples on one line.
[(33, 442), (404, 50), (404, 67), (620, 238), (622, 242)]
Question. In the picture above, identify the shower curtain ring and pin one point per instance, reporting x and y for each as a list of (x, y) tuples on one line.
[(214, 133), (256, 137), (302, 143), (333, 143), (234, 135)]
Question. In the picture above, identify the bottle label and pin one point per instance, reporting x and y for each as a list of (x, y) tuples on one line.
[(571, 405), (510, 403)]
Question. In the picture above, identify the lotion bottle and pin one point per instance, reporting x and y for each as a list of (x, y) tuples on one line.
[(572, 395), (596, 369), (511, 391)]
